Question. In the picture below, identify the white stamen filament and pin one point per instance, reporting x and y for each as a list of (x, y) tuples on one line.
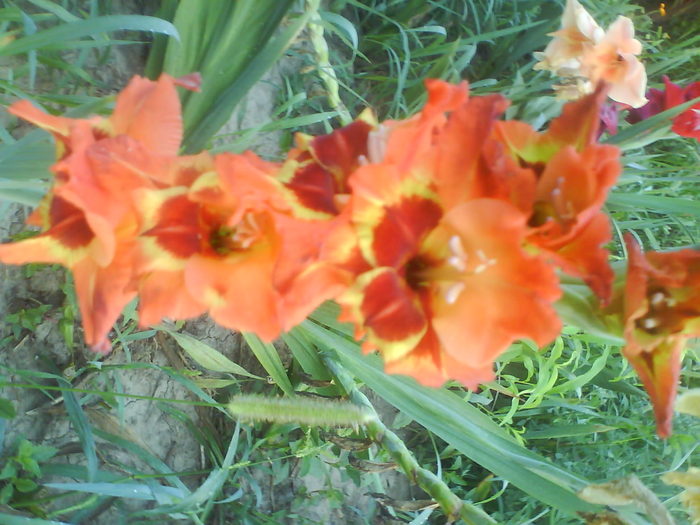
[(376, 144), (453, 291), (657, 298), (458, 259), (650, 323)]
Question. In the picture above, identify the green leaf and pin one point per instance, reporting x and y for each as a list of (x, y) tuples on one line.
[(564, 431), (44, 453), (585, 378), (270, 360), (306, 355), (669, 205), (12, 519), (82, 427), (93, 26), (7, 408), (206, 356), (232, 44), (160, 493), (578, 307), (24, 484), (31, 466), (6, 494), (9, 470)]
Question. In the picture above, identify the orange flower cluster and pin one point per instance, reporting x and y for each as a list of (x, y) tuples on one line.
[(439, 235)]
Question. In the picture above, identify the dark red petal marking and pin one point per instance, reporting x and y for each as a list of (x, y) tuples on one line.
[(339, 151), (68, 224), (314, 187), (177, 229), (397, 236), (389, 308)]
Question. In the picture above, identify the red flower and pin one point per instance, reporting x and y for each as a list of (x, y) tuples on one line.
[(661, 311), (687, 124)]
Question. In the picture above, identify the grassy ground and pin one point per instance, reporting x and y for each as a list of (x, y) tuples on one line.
[(142, 436)]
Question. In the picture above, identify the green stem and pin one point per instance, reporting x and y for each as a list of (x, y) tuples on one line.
[(325, 70), (451, 505)]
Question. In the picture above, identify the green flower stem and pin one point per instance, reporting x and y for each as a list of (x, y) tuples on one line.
[(451, 505), (325, 70)]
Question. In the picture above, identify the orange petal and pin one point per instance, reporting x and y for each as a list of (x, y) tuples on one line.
[(505, 294), (458, 174), (68, 239), (313, 188), (659, 371), (339, 152), (238, 291), (59, 126), (303, 277), (586, 258), (163, 294), (402, 226), (150, 113), (432, 367), (102, 295), (173, 221), (389, 311), (579, 121)]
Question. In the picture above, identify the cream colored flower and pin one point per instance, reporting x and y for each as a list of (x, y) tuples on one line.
[(582, 55), (578, 33), (613, 60), (690, 497)]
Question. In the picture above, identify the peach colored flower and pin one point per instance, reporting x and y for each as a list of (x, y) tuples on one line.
[(613, 60), (578, 34), (582, 55)]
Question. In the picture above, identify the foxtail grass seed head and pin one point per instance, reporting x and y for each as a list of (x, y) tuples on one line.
[(315, 412)]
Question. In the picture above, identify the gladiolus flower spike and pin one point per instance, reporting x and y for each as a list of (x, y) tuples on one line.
[(439, 234)]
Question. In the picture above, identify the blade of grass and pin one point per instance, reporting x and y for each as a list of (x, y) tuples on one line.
[(12, 519), (203, 119), (656, 203), (206, 356), (82, 427), (140, 491), (270, 360), (90, 27)]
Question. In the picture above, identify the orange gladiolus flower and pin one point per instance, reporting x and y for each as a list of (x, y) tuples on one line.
[(99, 255), (443, 285), (571, 176), (88, 220), (217, 240), (661, 311), (446, 293)]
